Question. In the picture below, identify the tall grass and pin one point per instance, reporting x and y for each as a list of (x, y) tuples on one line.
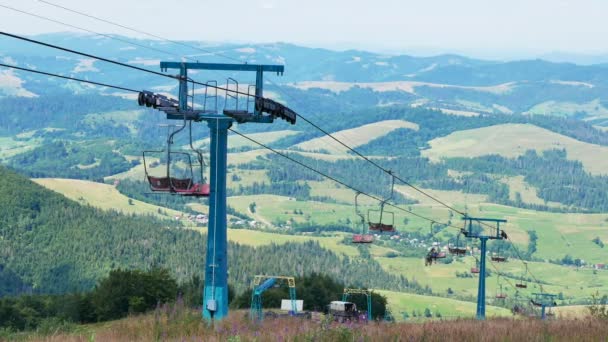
[(177, 323)]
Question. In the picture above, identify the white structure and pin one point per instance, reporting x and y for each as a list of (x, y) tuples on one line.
[(286, 305)]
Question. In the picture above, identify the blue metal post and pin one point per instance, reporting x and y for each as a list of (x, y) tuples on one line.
[(543, 314), (294, 303), (259, 86), (215, 297), (369, 308), (481, 289)]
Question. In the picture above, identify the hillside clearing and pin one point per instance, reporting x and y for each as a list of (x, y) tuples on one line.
[(512, 140), (527, 192), (450, 197), (355, 137), (103, 196)]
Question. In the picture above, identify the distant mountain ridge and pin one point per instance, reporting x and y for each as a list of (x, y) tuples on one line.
[(451, 83)]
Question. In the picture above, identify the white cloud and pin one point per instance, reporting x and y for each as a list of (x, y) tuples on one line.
[(85, 65), (8, 60), (12, 85), (267, 5)]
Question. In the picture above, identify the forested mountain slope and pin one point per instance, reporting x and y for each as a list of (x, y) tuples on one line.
[(50, 244)]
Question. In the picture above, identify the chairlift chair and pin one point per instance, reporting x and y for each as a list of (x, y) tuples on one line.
[(499, 258), (457, 249), (365, 237), (475, 268), (380, 226), (500, 294), (168, 183), (522, 283), (434, 253)]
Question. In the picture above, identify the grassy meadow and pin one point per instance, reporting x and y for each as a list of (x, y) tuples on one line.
[(511, 140), (169, 323)]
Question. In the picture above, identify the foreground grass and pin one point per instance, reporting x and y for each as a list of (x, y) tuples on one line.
[(171, 324)]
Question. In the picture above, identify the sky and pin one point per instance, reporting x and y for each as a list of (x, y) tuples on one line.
[(479, 28)]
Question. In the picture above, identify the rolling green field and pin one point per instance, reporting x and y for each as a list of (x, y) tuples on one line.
[(10, 147), (356, 136), (511, 140), (573, 283), (558, 235), (593, 108), (448, 308)]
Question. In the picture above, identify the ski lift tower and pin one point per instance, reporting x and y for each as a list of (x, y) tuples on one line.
[(215, 296), (469, 233), (544, 300)]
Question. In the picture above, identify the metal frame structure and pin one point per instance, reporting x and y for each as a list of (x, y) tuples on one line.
[(481, 288), (544, 300), (215, 296), (368, 295), (261, 283)]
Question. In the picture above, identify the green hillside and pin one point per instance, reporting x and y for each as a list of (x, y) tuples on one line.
[(50, 244), (521, 140)]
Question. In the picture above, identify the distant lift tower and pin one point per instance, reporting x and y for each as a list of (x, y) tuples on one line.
[(215, 296), (469, 233), (544, 301)]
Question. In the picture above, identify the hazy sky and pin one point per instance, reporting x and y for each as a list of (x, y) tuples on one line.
[(499, 28)]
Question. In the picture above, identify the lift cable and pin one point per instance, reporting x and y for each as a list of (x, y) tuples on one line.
[(522, 260), (338, 181), (83, 54), (169, 76), (165, 75), (434, 198), (120, 63), (254, 141), (87, 30), (204, 84), (310, 122), (216, 87), (244, 136), (68, 78), (130, 28), (501, 274)]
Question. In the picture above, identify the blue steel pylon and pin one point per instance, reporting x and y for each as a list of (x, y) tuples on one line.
[(544, 300), (481, 288), (215, 294)]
